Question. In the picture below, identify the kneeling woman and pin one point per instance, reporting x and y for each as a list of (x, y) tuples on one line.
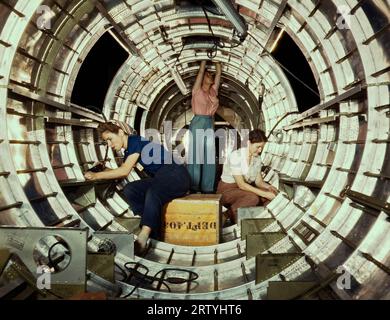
[(241, 182), (147, 196)]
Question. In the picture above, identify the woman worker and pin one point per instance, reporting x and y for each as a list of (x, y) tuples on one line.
[(146, 197), (241, 182), (204, 103)]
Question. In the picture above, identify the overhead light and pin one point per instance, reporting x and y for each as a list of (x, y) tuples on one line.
[(113, 34), (119, 33), (179, 81), (239, 23), (277, 40)]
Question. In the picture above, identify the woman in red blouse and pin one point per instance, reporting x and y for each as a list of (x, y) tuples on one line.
[(201, 155)]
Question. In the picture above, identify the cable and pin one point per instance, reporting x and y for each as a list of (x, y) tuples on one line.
[(140, 277), (177, 59), (133, 272), (218, 43), (123, 272), (208, 20), (176, 280), (284, 68), (213, 52), (280, 120), (51, 262), (144, 278)]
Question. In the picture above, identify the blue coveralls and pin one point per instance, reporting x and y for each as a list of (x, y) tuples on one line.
[(167, 182), (201, 157)]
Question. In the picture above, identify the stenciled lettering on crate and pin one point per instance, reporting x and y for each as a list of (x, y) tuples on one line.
[(194, 220)]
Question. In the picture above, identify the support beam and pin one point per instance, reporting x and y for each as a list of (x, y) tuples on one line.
[(368, 201), (64, 107), (275, 21), (132, 48), (348, 95), (311, 122), (72, 122)]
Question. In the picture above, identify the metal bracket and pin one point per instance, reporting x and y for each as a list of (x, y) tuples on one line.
[(22, 241), (131, 224), (82, 195), (103, 265), (259, 242), (256, 225), (269, 265)]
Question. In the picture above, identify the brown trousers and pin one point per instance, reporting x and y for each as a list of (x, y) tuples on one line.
[(233, 198)]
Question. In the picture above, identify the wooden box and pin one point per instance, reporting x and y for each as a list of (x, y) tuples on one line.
[(194, 220)]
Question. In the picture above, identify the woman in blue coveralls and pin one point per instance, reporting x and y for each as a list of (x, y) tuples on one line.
[(168, 180)]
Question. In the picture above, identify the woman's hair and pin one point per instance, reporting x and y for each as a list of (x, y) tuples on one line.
[(257, 135), (209, 70), (108, 126), (114, 127)]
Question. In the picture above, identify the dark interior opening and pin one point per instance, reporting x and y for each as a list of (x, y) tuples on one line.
[(290, 56), (137, 121), (97, 72)]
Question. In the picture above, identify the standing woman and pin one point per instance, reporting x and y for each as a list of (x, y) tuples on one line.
[(205, 103), (146, 197)]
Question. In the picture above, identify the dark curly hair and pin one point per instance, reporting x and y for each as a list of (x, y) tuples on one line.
[(108, 126), (257, 135), (114, 126)]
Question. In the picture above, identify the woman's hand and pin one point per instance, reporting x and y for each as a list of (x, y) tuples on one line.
[(91, 175), (272, 189)]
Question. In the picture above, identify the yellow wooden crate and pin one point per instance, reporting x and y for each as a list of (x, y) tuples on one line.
[(194, 220)]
